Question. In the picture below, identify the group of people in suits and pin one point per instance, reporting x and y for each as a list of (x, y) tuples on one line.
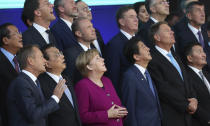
[(55, 76)]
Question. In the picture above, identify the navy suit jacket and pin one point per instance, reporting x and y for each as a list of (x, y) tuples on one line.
[(202, 116), (144, 33), (63, 35), (115, 60), (7, 74), (67, 114), (143, 107), (32, 36), (71, 55), (186, 36), (25, 107), (173, 91)]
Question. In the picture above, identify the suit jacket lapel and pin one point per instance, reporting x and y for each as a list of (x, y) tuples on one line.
[(7, 63), (37, 36), (142, 79)]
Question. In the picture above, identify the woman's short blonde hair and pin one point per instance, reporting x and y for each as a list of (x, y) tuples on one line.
[(84, 59)]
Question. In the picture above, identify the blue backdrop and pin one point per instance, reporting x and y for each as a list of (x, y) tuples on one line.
[(103, 19)]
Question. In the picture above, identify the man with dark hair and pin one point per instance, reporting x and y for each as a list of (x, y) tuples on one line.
[(66, 11), (26, 103), (85, 12), (10, 43), (40, 12), (177, 98), (158, 10), (193, 31), (200, 80), (84, 32), (138, 91), (116, 63), (68, 113)]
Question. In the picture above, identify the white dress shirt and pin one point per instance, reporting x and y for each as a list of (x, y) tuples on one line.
[(163, 52), (153, 19), (68, 23), (141, 69), (127, 35), (194, 31), (96, 44), (84, 47), (34, 78), (42, 31)]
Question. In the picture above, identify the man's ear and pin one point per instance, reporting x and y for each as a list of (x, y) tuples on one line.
[(157, 37), (37, 13), (189, 58), (5, 40), (78, 33), (136, 57), (121, 21)]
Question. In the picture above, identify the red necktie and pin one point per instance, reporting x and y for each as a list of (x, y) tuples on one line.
[(16, 64)]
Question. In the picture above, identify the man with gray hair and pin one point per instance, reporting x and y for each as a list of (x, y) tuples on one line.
[(66, 11), (158, 10)]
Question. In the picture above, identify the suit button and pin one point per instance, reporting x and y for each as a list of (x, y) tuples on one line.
[(112, 103), (107, 94), (118, 120)]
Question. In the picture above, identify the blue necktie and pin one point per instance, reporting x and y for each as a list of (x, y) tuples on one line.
[(68, 94), (200, 37), (175, 64), (149, 80), (40, 91)]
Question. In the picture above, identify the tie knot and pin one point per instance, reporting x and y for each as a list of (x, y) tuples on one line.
[(47, 31), (37, 82), (146, 72), (199, 32), (169, 55), (201, 73), (15, 60)]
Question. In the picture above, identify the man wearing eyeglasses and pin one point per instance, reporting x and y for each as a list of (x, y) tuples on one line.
[(66, 11), (85, 11), (10, 43), (67, 115), (158, 10)]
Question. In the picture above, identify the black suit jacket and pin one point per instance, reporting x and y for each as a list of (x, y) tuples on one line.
[(7, 74), (115, 60), (100, 42), (66, 115), (173, 91), (25, 104), (202, 116), (71, 55), (63, 35), (32, 36), (186, 37), (144, 33)]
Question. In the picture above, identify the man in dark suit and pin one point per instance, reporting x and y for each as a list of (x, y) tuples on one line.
[(40, 12), (85, 11), (10, 43), (158, 11), (177, 98), (66, 11), (194, 30), (139, 95), (84, 32), (116, 62), (68, 112), (26, 103), (200, 80)]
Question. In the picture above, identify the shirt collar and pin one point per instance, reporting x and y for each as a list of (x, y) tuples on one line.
[(40, 28), (85, 48), (56, 78), (9, 55), (162, 51), (127, 35), (193, 29), (153, 19), (34, 78), (69, 24), (196, 70), (142, 69)]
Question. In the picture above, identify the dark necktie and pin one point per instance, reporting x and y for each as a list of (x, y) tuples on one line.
[(92, 46), (40, 91), (200, 37), (149, 80), (50, 36), (16, 64)]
